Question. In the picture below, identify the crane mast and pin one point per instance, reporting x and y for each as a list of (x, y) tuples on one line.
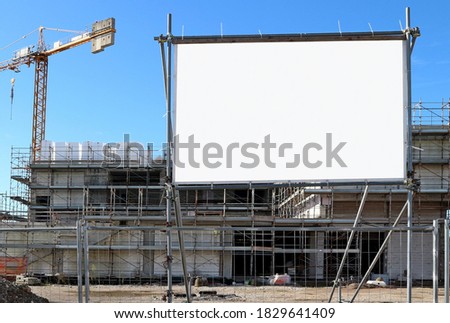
[(101, 36), (39, 105)]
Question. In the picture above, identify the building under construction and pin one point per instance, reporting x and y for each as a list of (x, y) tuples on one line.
[(233, 235)]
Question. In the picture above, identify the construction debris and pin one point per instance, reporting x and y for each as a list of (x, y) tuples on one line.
[(26, 280), (378, 282), (12, 293), (280, 279)]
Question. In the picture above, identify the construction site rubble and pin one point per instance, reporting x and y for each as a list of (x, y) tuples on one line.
[(12, 293), (280, 279)]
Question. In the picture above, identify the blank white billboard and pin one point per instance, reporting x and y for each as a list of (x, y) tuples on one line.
[(278, 112)]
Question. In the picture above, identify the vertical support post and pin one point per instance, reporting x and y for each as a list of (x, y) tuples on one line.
[(224, 203), (169, 95), (253, 202), (319, 258), (339, 290), (349, 242), (410, 170), (273, 250), (86, 262), (168, 83), (79, 262), (446, 256), (436, 261), (273, 202), (252, 253)]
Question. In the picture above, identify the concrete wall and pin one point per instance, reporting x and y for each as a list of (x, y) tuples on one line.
[(422, 256)]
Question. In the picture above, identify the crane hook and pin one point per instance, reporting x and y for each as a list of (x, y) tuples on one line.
[(13, 80)]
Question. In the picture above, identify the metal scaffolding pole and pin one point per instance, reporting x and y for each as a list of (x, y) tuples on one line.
[(179, 223), (86, 263), (436, 261), (410, 168), (169, 256), (79, 262), (168, 86), (446, 256), (349, 243)]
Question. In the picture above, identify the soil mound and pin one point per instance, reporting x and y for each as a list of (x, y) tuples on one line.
[(12, 293)]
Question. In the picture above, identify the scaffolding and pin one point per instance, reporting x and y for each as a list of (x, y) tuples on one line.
[(430, 114), (20, 183), (4, 206)]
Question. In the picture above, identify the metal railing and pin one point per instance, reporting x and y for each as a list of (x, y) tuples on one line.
[(431, 114)]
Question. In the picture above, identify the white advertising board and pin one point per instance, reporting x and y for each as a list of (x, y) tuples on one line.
[(276, 112)]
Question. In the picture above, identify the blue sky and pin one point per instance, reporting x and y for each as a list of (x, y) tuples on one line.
[(120, 91)]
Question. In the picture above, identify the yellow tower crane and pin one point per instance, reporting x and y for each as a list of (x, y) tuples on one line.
[(101, 36)]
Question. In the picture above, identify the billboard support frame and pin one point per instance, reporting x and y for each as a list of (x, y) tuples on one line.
[(200, 182), (410, 183), (167, 71), (300, 37), (172, 199)]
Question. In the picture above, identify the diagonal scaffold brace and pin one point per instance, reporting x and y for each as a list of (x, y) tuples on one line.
[(174, 196), (337, 280)]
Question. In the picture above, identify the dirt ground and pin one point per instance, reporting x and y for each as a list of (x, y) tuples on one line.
[(226, 294)]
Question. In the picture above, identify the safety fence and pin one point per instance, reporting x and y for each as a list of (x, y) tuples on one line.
[(102, 262)]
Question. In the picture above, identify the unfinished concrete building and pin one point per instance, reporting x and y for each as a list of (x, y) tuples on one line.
[(228, 241)]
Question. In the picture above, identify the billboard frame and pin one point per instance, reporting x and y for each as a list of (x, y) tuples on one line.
[(301, 37), (409, 34)]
